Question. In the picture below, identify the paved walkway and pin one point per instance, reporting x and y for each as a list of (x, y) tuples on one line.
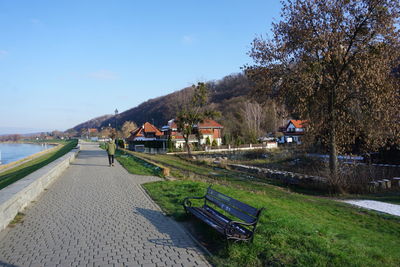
[(380, 206), (95, 215)]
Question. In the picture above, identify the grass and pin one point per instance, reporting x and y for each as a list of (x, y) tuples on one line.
[(137, 166), (181, 168), (14, 174), (295, 229), (19, 218)]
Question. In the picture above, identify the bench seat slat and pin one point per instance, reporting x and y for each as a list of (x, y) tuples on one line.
[(233, 202), (240, 229), (232, 210), (198, 212), (204, 215)]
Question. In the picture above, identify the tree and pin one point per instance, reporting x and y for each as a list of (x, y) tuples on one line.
[(331, 62), (192, 111), (253, 116), (71, 133), (208, 141), (170, 145), (214, 143), (127, 128), (57, 134)]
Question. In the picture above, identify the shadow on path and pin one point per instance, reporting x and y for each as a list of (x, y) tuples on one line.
[(5, 264), (157, 219)]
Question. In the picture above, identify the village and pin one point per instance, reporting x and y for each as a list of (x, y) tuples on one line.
[(150, 139)]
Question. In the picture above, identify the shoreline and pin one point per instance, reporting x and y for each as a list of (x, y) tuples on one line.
[(5, 167)]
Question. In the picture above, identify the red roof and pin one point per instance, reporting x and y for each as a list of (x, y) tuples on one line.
[(92, 130), (145, 129), (206, 131), (207, 123), (150, 128), (298, 123)]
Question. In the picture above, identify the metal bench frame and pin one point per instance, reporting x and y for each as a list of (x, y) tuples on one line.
[(237, 230)]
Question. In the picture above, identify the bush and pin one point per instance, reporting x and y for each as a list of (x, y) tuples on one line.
[(121, 143), (208, 142)]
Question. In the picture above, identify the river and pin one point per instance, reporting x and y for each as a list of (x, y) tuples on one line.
[(12, 152)]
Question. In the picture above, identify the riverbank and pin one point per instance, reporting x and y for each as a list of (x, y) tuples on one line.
[(16, 163), (15, 173)]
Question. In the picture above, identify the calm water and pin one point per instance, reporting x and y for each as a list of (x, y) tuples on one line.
[(14, 152)]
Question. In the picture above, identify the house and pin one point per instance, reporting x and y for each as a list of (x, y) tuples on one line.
[(293, 132), (209, 130), (147, 138), (92, 131)]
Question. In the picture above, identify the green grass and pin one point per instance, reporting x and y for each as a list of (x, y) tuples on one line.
[(178, 164), (19, 218), (295, 229), (137, 166), (181, 168), (12, 175)]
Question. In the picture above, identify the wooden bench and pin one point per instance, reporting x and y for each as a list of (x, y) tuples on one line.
[(242, 229)]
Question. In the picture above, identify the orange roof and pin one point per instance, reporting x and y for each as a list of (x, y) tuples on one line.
[(298, 123), (207, 123), (92, 130), (150, 128), (142, 131), (206, 131)]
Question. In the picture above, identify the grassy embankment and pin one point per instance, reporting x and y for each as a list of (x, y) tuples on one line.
[(134, 164), (294, 229), (14, 174)]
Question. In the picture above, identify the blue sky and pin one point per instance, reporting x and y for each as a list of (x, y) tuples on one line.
[(64, 62)]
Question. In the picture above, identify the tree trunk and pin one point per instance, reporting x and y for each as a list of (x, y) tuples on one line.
[(333, 164), (187, 145)]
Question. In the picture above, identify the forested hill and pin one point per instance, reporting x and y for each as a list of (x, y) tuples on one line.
[(225, 95), (93, 123)]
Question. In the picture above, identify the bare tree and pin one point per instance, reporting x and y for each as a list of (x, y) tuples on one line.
[(127, 128), (253, 117), (192, 111)]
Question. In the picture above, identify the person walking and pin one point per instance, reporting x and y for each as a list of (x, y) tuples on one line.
[(111, 147)]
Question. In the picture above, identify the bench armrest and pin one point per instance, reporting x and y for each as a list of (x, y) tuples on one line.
[(188, 203)]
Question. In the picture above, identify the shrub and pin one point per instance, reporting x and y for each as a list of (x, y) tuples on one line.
[(208, 142)]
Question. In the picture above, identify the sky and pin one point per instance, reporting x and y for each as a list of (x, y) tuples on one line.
[(65, 62)]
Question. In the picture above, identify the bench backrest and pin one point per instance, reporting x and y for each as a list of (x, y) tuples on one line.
[(236, 208)]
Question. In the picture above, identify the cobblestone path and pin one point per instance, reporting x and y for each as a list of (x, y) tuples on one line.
[(95, 215)]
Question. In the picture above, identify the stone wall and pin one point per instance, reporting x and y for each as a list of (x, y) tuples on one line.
[(290, 178)]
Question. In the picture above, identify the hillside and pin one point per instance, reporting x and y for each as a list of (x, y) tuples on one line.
[(93, 123), (226, 96)]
